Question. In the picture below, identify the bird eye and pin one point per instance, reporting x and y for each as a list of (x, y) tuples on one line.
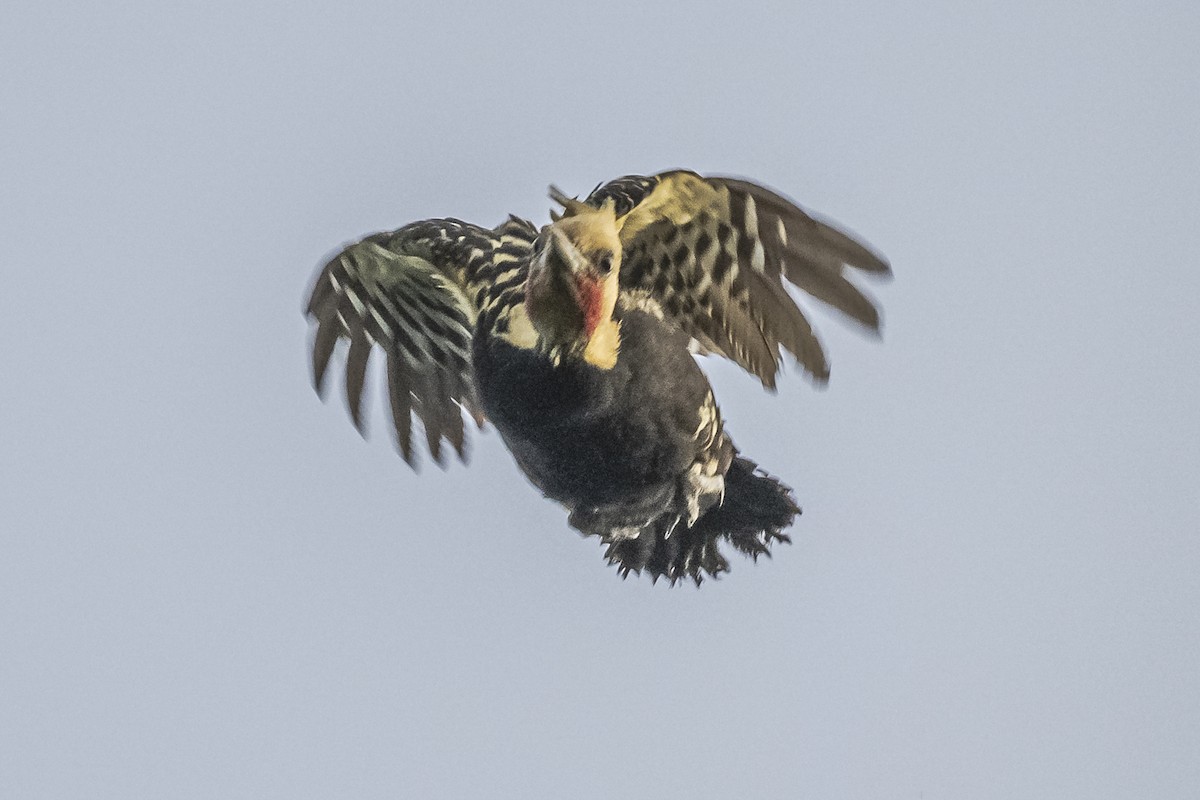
[(604, 263)]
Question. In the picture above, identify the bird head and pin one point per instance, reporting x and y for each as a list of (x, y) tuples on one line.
[(573, 282)]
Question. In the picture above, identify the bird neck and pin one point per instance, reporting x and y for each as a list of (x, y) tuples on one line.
[(600, 350), (604, 345)]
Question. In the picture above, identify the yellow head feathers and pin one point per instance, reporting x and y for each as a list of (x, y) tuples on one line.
[(573, 284)]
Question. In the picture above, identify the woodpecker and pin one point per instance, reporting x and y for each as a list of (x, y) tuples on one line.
[(576, 341)]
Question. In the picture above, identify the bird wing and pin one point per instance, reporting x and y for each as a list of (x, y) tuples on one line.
[(710, 254), (404, 291)]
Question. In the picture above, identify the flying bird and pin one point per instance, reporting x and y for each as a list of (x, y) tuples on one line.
[(576, 341)]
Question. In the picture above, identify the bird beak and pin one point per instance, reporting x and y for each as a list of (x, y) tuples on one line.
[(562, 255), (564, 264), (571, 205)]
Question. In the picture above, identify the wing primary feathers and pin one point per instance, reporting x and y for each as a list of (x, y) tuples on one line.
[(713, 255), (411, 292), (849, 250), (356, 374), (801, 225), (780, 317), (400, 397), (447, 420), (456, 434), (322, 291), (808, 252), (824, 281), (326, 338), (461, 395), (750, 345), (427, 409)]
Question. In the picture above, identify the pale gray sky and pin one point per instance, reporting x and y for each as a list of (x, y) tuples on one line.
[(211, 587)]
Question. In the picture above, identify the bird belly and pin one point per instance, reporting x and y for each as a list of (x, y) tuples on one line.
[(601, 466), (578, 433)]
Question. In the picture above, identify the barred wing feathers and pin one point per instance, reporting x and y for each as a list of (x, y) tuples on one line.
[(405, 293), (712, 253)]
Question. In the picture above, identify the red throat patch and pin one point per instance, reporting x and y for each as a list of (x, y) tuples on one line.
[(591, 298)]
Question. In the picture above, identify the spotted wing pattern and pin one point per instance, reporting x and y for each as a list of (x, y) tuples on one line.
[(415, 293), (712, 254)]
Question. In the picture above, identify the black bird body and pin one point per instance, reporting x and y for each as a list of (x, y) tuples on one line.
[(620, 448), (576, 341), (592, 437)]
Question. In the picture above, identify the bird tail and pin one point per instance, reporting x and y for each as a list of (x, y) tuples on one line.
[(755, 511)]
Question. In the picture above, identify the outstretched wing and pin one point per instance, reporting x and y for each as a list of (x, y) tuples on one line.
[(404, 291), (711, 255)]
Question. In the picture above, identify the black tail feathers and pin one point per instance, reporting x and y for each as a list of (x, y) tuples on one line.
[(757, 508)]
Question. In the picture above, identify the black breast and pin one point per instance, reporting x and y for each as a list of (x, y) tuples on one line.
[(589, 437)]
